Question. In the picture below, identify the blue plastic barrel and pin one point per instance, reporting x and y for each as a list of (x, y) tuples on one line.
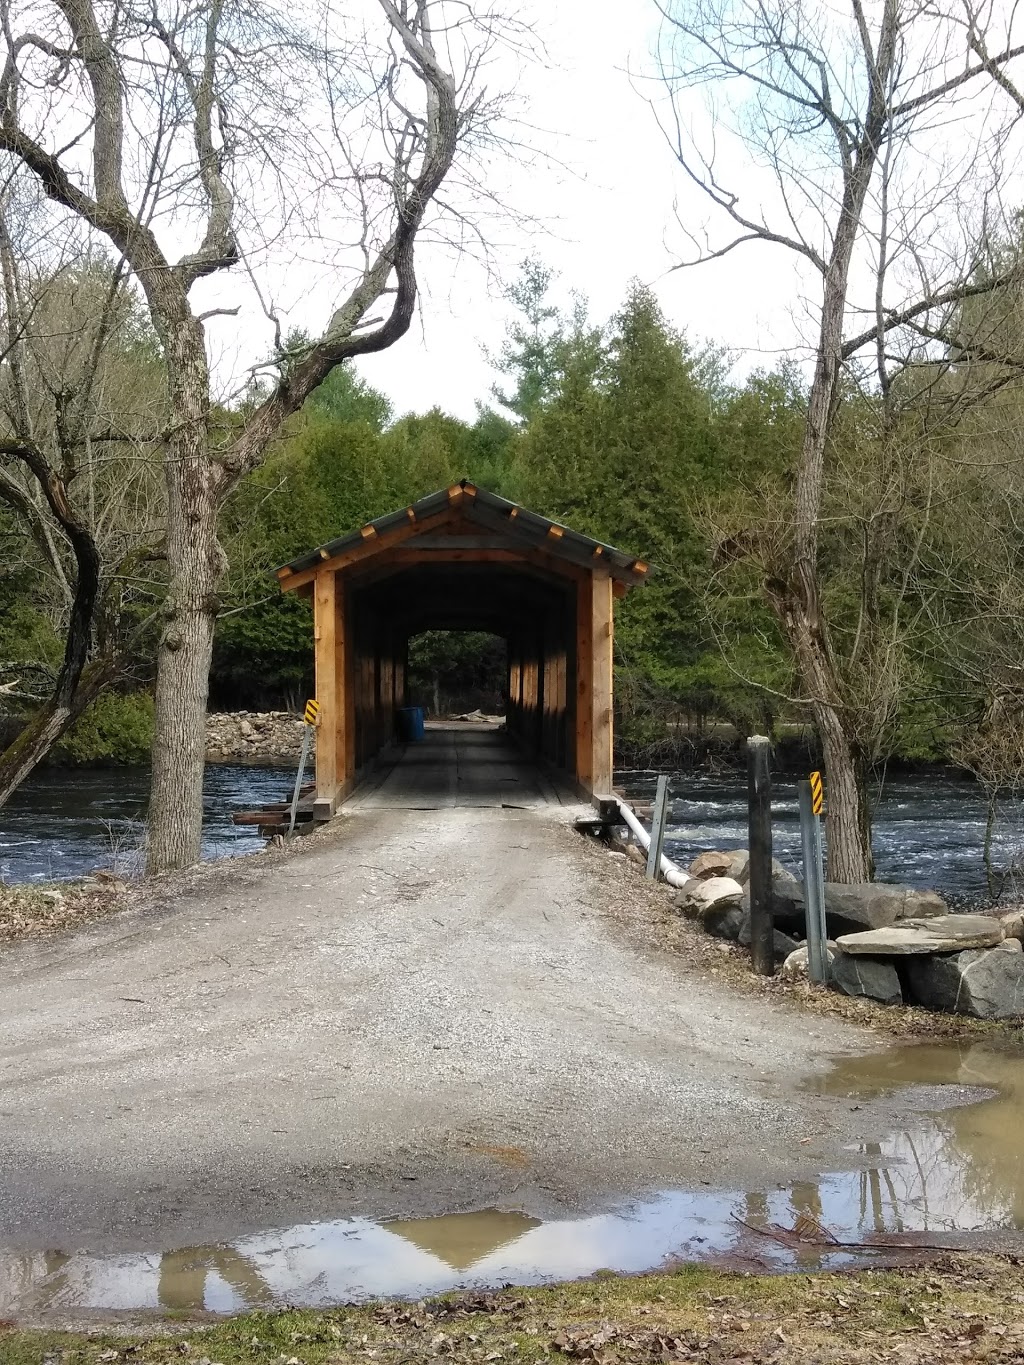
[(410, 724)]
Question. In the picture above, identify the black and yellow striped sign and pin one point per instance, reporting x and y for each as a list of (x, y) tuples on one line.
[(312, 712), (817, 794)]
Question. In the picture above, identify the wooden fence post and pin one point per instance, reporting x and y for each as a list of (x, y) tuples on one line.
[(759, 791)]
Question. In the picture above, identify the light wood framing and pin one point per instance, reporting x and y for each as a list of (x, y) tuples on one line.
[(556, 615)]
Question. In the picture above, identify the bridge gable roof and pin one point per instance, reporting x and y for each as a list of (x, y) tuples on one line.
[(470, 516)]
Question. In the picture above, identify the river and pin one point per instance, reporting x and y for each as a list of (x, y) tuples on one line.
[(929, 828), (63, 824)]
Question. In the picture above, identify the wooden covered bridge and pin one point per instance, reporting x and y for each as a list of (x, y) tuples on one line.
[(464, 559)]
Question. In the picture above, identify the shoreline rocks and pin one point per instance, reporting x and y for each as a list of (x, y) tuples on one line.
[(715, 901), (987, 983), (867, 976), (253, 736), (894, 944), (920, 937), (877, 905)]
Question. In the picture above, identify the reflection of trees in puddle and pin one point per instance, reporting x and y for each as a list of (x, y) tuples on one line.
[(313, 1263), (960, 1168), (171, 1279)]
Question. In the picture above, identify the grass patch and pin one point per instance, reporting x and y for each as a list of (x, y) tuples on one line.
[(958, 1308)]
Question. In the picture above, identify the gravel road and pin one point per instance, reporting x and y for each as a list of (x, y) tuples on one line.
[(424, 1011)]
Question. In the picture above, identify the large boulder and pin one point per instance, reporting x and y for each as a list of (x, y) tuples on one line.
[(724, 921), (797, 966), (730, 863), (697, 898), (987, 983), (715, 902), (787, 900), (866, 976), (921, 937), (876, 905), (1013, 923), (783, 945)]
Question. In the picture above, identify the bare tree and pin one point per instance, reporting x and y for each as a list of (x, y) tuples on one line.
[(887, 129), (202, 140), (78, 449)]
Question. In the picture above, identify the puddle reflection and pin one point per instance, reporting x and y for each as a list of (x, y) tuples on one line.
[(963, 1168), (958, 1169)]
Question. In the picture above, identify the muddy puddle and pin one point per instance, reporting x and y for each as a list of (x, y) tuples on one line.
[(957, 1168)]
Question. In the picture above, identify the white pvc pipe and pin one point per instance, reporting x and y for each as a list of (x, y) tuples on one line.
[(675, 876)]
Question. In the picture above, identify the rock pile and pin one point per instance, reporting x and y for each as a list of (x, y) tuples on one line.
[(253, 736), (888, 943)]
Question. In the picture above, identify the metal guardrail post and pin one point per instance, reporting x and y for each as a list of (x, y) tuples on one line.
[(659, 823), (310, 715), (810, 794)]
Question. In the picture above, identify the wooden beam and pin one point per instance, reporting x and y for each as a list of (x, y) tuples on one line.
[(325, 633), (341, 651), (568, 550), (367, 547), (585, 684), (602, 635), (594, 683), (348, 682), (528, 558)]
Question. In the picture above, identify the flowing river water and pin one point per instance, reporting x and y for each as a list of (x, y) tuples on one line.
[(929, 827)]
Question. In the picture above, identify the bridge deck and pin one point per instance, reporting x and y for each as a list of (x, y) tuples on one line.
[(461, 764)]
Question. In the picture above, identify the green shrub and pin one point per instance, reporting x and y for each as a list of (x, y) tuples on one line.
[(117, 729)]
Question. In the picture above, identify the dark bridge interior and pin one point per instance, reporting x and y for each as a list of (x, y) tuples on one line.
[(534, 612)]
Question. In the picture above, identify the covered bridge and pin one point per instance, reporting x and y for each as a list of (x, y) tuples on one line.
[(464, 559)]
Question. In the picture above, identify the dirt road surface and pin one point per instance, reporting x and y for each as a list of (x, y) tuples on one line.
[(426, 1011)]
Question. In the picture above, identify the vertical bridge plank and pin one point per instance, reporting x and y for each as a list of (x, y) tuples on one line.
[(585, 683), (343, 771)]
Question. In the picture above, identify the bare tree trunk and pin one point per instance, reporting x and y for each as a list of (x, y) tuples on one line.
[(50, 723), (195, 564), (847, 818), (77, 683)]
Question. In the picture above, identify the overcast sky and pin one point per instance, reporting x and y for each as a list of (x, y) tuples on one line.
[(609, 216)]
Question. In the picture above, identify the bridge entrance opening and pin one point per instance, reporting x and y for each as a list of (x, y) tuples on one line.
[(464, 561), (457, 673)]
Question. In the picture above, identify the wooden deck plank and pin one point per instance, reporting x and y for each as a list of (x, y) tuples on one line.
[(457, 766)]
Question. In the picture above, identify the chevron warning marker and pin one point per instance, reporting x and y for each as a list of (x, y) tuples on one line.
[(817, 793)]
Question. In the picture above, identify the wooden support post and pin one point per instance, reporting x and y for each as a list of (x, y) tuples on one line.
[(759, 789), (347, 680), (585, 684), (328, 693), (342, 724), (603, 644)]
